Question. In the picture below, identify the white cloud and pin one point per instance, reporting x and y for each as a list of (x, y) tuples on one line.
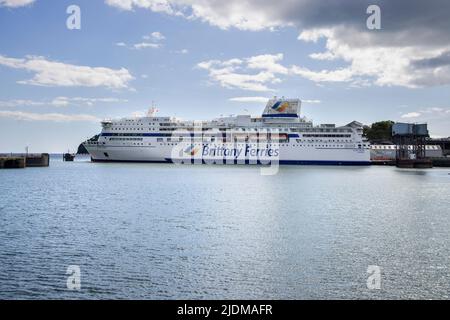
[(151, 41), (364, 67), (249, 99), (339, 75), (19, 102), (411, 115), (245, 15), (236, 73), (369, 63), (414, 20), (144, 45), (323, 56), (153, 5), (57, 117), (59, 102), (15, 3), (430, 113), (156, 36), (268, 62), (412, 51), (53, 73), (64, 101), (437, 118)]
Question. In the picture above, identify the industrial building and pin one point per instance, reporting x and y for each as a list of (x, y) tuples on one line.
[(388, 152)]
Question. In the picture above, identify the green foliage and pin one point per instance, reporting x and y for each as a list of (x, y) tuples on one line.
[(379, 131)]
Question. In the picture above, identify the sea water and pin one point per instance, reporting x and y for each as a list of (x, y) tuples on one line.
[(162, 231)]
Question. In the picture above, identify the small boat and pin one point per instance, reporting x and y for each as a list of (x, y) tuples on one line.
[(68, 156)]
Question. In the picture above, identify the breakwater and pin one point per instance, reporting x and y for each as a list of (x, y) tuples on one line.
[(17, 161)]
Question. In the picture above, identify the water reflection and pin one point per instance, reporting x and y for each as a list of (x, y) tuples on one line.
[(165, 231)]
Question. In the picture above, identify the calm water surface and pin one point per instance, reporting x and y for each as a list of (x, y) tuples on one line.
[(156, 231)]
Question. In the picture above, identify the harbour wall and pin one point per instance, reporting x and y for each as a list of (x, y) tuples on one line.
[(11, 161)]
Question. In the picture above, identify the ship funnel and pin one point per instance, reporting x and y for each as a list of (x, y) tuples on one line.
[(282, 108)]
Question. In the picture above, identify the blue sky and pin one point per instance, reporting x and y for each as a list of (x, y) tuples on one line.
[(200, 59)]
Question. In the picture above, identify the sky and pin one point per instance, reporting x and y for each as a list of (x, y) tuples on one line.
[(199, 59)]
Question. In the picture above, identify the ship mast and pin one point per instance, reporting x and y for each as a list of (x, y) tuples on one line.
[(153, 110)]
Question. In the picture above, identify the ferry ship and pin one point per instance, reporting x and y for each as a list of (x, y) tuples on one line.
[(280, 135)]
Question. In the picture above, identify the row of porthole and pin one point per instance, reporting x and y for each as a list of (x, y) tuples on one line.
[(269, 146), (281, 145), (131, 129)]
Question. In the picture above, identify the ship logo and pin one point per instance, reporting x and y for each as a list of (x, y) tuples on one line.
[(191, 150), (280, 106)]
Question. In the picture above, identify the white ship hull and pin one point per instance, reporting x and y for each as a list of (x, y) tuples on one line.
[(295, 154)]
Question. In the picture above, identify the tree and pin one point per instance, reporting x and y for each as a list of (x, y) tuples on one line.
[(379, 131)]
